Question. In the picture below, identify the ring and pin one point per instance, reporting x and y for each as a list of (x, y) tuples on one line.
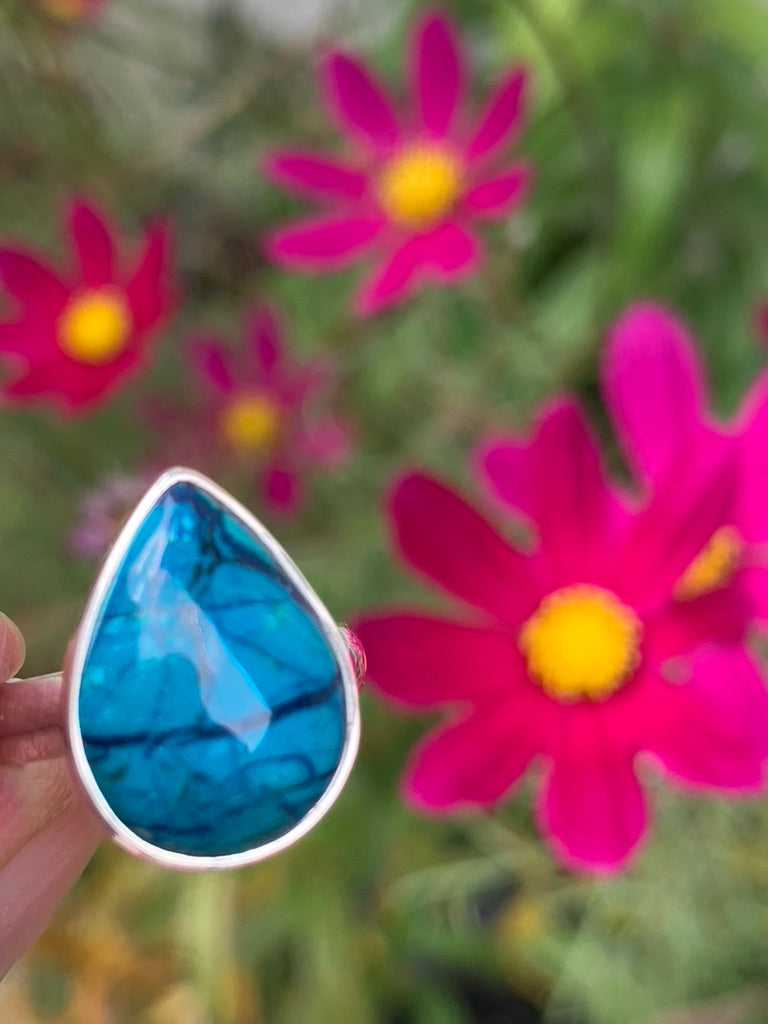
[(212, 715)]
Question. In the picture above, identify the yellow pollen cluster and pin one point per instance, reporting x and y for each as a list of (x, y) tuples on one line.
[(95, 326), (419, 186), (249, 422), (712, 567), (581, 643)]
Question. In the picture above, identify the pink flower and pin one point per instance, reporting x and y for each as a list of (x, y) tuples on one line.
[(573, 652), (415, 184), (267, 411), (78, 334), (103, 511), (656, 395)]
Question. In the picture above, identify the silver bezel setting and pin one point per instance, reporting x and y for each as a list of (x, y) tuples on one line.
[(119, 832)]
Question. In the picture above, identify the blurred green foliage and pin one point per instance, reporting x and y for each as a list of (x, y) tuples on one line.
[(648, 138)]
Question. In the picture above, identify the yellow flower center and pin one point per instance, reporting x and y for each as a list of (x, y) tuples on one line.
[(581, 643), (418, 186), (95, 326), (250, 422), (712, 567), (67, 10)]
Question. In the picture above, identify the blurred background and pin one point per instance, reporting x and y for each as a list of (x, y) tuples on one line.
[(648, 137)]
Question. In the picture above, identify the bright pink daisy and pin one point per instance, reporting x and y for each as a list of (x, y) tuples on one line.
[(76, 335), (573, 652), (270, 411), (655, 390), (414, 184)]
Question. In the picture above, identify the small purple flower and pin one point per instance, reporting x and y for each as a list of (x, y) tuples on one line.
[(102, 512)]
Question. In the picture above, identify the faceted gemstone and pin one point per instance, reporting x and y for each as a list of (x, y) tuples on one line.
[(211, 704)]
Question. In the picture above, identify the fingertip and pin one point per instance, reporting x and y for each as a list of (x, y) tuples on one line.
[(12, 648)]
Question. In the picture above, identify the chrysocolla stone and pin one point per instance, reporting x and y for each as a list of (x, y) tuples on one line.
[(211, 705)]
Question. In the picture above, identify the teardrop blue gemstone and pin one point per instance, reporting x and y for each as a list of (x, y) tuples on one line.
[(212, 705)]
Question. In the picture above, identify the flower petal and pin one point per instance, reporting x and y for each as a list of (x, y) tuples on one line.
[(282, 488), (266, 341), (503, 466), (436, 73), (27, 338), (654, 387), (30, 281), (694, 497), (149, 294), (41, 382), (572, 499), (209, 358), (720, 737), (444, 538), (498, 196), (592, 804), (394, 281), (323, 243), (718, 617), (755, 584), (450, 251), (72, 386), (751, 425), (423, 662), (447, 253), (564, 491), (314, 175), (502, 116), (359, 104), (475, 761), (326, 443), (93, 242)]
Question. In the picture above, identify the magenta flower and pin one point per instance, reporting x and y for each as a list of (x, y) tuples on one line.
[(269, 411), (573, 654), (414, 184), (655, 392), (77, 335)]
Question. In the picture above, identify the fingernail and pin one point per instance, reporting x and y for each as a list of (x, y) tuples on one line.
[(12, 648)]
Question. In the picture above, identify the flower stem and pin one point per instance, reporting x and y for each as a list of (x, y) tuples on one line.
[(570, 78)]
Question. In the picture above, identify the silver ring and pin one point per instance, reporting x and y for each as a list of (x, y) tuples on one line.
[(211, 705)]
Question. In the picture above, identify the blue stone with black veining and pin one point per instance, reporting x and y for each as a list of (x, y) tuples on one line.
[(211, 705)]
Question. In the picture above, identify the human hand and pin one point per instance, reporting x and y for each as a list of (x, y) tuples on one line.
[(47, 831)]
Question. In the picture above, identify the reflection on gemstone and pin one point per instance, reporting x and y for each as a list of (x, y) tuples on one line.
[(211, 704), (176, 624)]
